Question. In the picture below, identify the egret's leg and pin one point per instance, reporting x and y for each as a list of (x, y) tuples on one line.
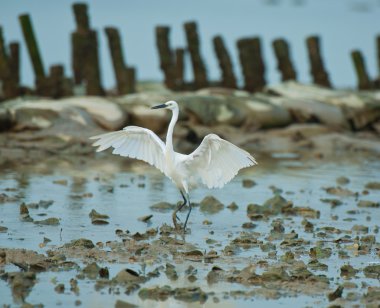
[(188, 214), (174, 215)]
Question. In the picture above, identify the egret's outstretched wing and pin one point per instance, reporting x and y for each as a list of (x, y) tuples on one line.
[(134, 142), (217, 161)]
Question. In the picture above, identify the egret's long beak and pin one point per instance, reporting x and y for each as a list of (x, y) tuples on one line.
[(159, 106)]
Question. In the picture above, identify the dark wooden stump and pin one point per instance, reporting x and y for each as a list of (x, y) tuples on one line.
[(317, 69), (85, 57), (117, 57), (252, 64), (34, 54), (180, 68), (376, 82), (284, 63), (193, 45), (167, 62), (131, 79), (228, 79), (9, 68), (59, 86), (364, 82)]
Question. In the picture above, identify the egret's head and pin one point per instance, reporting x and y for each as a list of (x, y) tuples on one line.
[(168, 105)]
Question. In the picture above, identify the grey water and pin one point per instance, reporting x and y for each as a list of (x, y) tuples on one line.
[(125, 192)]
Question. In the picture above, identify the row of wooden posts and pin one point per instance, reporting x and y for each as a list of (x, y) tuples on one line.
[(86, 68), (251, 61)]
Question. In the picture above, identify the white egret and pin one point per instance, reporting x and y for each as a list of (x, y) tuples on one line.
[(213, 164)]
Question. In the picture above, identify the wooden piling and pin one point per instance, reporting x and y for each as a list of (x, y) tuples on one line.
[(364, 82), (167, 63), (228, 79), (31, 44), (117, 57), (180, 68), (193, 46), (56, 81), (9, 69), (252, 63), (284, 63), (131, 79), (85, 58), (376, 82), (317, 69)]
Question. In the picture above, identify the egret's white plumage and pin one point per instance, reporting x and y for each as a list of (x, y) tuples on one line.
[(213, 164)]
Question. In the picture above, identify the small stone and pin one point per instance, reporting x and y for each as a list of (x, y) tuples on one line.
[(145, 218), (52, 221), (233, 206), (247, 183), (211, 205), (60, 288), (370, 204), (336, 294), (373, 185), (342, 180)]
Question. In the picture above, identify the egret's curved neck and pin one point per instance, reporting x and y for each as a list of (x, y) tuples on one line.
[(169, 136)]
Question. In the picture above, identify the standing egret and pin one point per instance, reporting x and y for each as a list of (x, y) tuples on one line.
[(213, 164)]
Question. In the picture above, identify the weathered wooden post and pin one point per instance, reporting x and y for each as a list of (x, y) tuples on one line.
[(9, 68), (167, 63), (131, 79), (117, 57), (85, 58), (34, 53), (364, 82), (376, 83), (225, 63), (193, 45), (56, 81), (252, 64), (317, 69), (180, 67), (284, 63)]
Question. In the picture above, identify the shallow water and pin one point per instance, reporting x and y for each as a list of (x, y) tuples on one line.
[(126, 191)]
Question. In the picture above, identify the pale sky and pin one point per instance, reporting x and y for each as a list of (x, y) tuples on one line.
[(344, 25)]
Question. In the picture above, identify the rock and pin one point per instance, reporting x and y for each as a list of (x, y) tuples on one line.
[(360, 228), (91, 270), (127, 275), (190, 295), (333, 202), (336, 294), (339, 191), (334, 108), (211, 205), (233, 206), (156, 293), (320, 252), (316, 265), (52, 221), (372, 271), (3, 229), (59, 288), (21, 284), (194, 255), (272, 206), (95, 215), (122, 304), (347, 271), (163, 207), (373, 185), (6, 120), (366, 203), (247, 183), (170, 272), (342, 180), (80, 243)]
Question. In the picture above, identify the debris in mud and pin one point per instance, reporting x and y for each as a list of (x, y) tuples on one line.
[(366, 203), (80, 243), (52, 221), (211, 205), (373, 185), (247, 183), (163, 207), (193, 255)]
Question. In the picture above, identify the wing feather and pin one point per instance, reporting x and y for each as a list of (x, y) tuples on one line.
[(134, 142), (217, 161)]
